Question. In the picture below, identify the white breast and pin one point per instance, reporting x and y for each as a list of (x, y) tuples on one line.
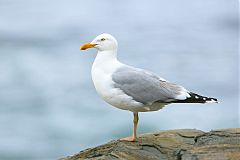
[(102, 79)]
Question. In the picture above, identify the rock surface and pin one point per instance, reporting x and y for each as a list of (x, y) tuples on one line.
[(186, 144)]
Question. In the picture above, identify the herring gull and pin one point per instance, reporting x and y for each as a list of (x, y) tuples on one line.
[(130, 88)]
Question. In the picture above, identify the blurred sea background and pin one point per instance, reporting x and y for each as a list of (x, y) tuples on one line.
[(48, 105)]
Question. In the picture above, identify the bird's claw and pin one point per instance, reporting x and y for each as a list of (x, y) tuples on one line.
[(128, 139)]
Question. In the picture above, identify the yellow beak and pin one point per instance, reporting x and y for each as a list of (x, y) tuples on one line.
[(86, 46)]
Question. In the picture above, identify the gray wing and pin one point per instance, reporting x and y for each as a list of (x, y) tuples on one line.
[(147, 87)]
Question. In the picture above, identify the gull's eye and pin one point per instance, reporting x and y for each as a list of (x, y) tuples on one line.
[(103, 39)]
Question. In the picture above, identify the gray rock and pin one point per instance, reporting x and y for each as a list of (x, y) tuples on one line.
[(185, 144)]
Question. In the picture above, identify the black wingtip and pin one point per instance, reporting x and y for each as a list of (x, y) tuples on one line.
[(196, 98)]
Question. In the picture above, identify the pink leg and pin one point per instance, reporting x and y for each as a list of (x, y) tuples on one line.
[(134, 137)]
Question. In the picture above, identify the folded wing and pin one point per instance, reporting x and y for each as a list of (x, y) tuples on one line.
[(146, 87)]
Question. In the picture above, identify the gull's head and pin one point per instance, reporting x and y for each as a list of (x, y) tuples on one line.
[(103, 42)]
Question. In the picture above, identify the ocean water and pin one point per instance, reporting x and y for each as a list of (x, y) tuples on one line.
[(48, 106)]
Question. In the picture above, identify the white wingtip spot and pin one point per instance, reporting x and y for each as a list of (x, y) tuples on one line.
[(204, 99), (196, 97), (212, 101)]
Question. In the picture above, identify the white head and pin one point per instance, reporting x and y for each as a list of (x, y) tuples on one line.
[(103, 42)]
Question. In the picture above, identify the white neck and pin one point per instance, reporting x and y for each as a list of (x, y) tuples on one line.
[(107, 55), (106, 61)]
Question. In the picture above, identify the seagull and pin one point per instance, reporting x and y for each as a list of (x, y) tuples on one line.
[(133, 89)]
